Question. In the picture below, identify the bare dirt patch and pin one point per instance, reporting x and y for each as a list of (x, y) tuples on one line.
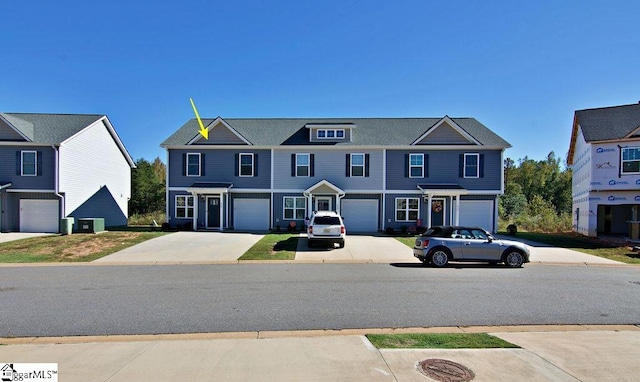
[(96, 244)]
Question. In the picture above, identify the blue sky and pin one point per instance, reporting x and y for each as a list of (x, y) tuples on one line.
[(521, 68)]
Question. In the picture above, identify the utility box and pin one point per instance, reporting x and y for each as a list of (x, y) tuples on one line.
[(91, 225), (66, 226)]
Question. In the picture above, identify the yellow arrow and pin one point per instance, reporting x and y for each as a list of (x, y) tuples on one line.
[(204, 132)]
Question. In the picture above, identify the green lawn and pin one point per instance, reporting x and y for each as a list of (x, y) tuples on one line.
[(407, 240), (438, 341), (593, 246), (273, 246), (78, 247)]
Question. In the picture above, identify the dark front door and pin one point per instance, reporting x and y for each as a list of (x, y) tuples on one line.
[(437, 212), (213, 212)]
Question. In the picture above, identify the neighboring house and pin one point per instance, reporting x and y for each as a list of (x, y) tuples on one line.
[(55, 165), (259, 174), (605, 156)]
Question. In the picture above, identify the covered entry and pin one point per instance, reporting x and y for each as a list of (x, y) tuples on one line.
[(213, 199), (436, 197), (323, 196)]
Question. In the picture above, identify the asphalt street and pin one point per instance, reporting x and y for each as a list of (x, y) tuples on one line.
[(109, 300)]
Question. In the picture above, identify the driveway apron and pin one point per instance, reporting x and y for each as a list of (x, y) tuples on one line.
[(187, 247), (377, 249)]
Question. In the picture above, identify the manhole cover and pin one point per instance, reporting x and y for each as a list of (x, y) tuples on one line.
[(445, 371)]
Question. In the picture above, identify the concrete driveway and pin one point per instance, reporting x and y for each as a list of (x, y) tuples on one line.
[(364, 248), (12, 236), (186, 247)]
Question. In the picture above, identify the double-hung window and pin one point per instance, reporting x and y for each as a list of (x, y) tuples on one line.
[(29, 160), (357, 164), (246, 164), (184, 206), (193, 164), (471, 165), (407, 209), (294, 207), (416, 165), (631, 160), (302, 164)]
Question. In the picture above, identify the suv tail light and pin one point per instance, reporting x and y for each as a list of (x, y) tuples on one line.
[(342, 229)]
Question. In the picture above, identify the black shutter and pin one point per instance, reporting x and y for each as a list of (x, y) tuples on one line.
[(366, 165), (426, 165), (461, 166), (312, 164), (347, 170), (255, 164), (236, 166), (184, 164), (481, 166), (293, 164), (202, 162), (18, 163), (406, 165), (39, 163)]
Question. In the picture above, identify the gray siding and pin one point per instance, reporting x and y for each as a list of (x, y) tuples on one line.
[(9, 169), (444, 134), (7, 133), (390, 212), (11, 207), (220, 166), (329, 165), (443, 167), (220, 134)]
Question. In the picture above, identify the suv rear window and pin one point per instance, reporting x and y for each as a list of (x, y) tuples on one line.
[(326, 220)]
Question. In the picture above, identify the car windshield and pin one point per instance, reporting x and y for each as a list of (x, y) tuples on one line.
[(326, 220)]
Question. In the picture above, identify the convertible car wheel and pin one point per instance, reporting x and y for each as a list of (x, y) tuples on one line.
[(439, 258), (514, 259)]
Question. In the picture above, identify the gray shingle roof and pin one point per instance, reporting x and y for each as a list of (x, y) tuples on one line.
[(368, 131), (609, 123), (50, 128)]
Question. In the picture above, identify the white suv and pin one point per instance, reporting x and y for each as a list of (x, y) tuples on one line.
[(327, 227)]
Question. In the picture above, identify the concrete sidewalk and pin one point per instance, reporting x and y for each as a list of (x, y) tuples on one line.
[(579, 353)]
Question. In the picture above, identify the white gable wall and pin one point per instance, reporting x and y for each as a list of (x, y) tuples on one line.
[(584, 221), (89, 160)]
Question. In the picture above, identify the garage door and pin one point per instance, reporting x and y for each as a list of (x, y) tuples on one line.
[(39, 215), (251, 214), (360, 215), (477, 213)]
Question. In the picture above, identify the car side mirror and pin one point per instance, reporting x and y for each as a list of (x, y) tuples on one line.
[(490, 238)]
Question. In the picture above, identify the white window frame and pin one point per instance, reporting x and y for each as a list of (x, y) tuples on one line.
[(240, 164), (623, 161), (308, 165), (421, 166), (464, 168), (294, 208), (407, 209), (351, 165), (187, 164), (186, 206), (35, 162), (334, 133)]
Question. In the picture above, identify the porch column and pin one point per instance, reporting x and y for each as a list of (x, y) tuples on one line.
[(195, 211), (429, 197), (221, 211), (338, 204), (457, 210), (309, 206)]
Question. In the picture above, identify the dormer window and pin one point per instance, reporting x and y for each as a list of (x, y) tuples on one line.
[(330, 134)]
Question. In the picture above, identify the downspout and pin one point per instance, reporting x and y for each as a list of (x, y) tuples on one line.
[(57, 182)]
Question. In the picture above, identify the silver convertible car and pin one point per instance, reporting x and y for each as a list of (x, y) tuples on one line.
[(439, 245)]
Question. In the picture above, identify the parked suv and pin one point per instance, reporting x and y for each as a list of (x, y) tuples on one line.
[(326, 227)]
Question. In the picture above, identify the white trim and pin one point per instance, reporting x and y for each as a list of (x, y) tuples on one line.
[(271, 180), (464, 166), (444, 210), (346, 125), (451, 123), (186, 206), (351, 165), (325, 147), (186, 164), (212, 125), (319, 197), (294, 206), (240, 164), (407, 210), (35, 153), (308, 165), (421, 166), (326, 134), (324, 182), (33, 191), (622, 160)]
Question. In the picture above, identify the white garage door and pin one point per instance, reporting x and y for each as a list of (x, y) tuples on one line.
[(360, 215), (39, 215), (477, 213), (251, 214)]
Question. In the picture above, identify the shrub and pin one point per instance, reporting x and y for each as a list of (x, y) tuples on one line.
[(389, 231), (512, 229)]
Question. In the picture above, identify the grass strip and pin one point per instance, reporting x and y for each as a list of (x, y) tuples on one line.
[(409, 241), (78, 247), (273, 246), (438, 341)]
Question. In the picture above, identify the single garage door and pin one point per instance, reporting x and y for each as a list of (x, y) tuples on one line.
[(477, 213), (37, 215), (251, 214), (360, 215)]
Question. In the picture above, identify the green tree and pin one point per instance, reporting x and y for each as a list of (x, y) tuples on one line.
[(147, 188)]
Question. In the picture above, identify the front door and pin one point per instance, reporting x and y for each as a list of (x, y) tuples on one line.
[(437, 212), (323, 203), (213, 212)]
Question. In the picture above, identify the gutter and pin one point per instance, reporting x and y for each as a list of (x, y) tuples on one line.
[(57, 181)]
